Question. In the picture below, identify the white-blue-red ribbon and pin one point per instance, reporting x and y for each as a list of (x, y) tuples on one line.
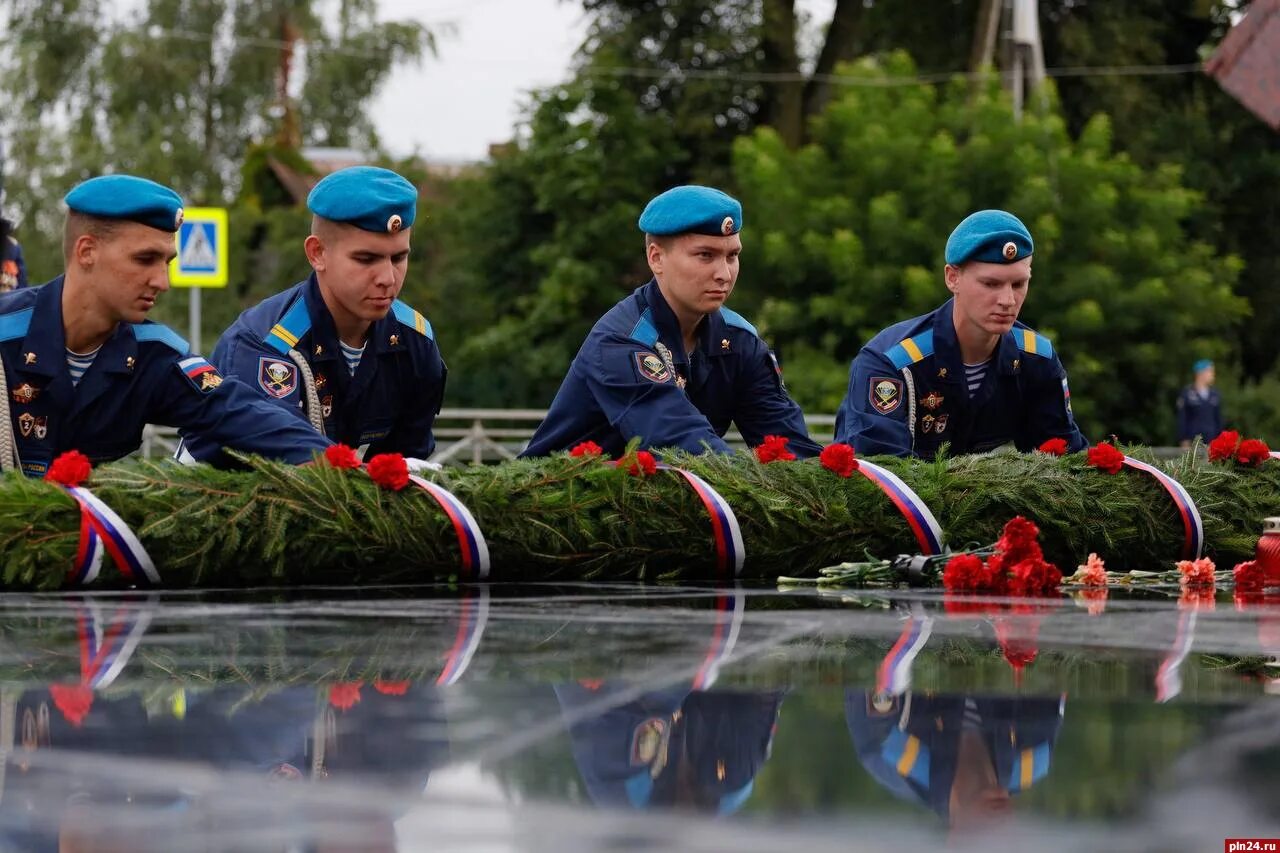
[(100, 527), (475, 551), (730, 551), (1169, 675), (473, 615), (923, 525), (107, 645), (893, 676), (1193, 526), (730, 608)]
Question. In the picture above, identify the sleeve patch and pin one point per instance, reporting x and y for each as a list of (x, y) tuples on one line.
[(202, 375), (884, 394), (651, 367)]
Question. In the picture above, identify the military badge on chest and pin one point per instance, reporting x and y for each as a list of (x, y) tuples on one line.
[(931, 401), (885, 394), (933, 424), (29, 426), (24, 393), (277, 377)]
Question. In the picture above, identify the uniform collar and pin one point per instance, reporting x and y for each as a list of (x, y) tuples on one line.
[(44, 349), (324, 334), (946, 347), (709, 333)]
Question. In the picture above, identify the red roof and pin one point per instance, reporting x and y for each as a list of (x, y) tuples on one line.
[(1247, 63)]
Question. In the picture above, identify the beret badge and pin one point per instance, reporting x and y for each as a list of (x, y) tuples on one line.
[(726, 227), (1010, 250)]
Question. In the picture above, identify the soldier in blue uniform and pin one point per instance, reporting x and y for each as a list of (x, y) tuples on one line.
[(675, 747), (960, 756), (13, 269), (669, 364), (967, 374), (1199, 406), (83, 369), (339, 350)]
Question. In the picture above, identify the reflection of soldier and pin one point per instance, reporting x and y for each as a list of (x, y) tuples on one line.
[(673, 747), (962, 756)]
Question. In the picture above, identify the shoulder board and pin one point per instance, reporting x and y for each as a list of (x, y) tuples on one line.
[(163, 334), (733, 318), (911, 350), (15, 325), (644, 331), (411, 318), (295, 323), (1029, 341)]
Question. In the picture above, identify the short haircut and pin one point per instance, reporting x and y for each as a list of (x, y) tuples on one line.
[(663, 240), (79, 224)]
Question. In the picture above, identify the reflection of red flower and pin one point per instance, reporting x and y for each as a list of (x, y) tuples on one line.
[(70, 469), (1018, 639), (1106, 458), (1096, 599), (964, 572), (341, 456), (389, 470), (1197, 598), (1223, 447), (391, 688), (1197, 572), (774, 449), (962, 602), (839, 458), (1249, 576), (1247, 598), (72, 700), (1252, 451), (345, 695), (1054, 447), (641, 465), (587, 448)]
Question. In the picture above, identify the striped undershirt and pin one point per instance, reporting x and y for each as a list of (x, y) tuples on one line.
[(974, 374), (78, 363), (352, 355)]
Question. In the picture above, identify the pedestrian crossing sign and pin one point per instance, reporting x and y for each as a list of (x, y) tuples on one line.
[(202, 249)]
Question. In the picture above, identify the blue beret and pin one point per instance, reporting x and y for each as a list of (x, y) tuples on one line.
[(990, 236), (127, 197), (367, 197), (1202, 364), (692, 210)]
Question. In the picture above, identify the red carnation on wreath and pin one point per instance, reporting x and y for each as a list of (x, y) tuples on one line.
[(1106, 458), (839, 458), (391, 688), (341, 456), (774, 449), (1253, 451), (69, 469), (1224, 446), (389, 470), (587, 448), (344, 696), (641, 464), (1054, 447), (73, 701)]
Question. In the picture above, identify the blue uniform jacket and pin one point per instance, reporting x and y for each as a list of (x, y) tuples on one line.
[(908, 396), (143, 374), (390, 404), (620, 386), (1199, 416)]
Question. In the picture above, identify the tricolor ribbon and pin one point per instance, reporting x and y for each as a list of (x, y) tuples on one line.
[(1193, 541), (105, 649), (730, 608), (100, 527), (893, 676), (1169, 675), (730, 552), (475, 551), (472, 618), (923, 525)]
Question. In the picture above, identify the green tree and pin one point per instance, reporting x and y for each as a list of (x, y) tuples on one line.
[(845, 236)]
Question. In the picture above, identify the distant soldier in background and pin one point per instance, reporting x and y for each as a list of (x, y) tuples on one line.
[(1199, 406)]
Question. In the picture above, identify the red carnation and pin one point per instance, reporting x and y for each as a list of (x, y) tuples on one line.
[(641, 465), (70, 469), (1034, 576), (774, 449), (964, 572), (341, 456), (389, 471), (839, 458), (1197, 572), (391, 688), (1249, 576), (1224, 446), (1106, 458), (345, 695), (1017, 540), (1054, 447), (1253, 451), (72, 700), (587, 448)]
